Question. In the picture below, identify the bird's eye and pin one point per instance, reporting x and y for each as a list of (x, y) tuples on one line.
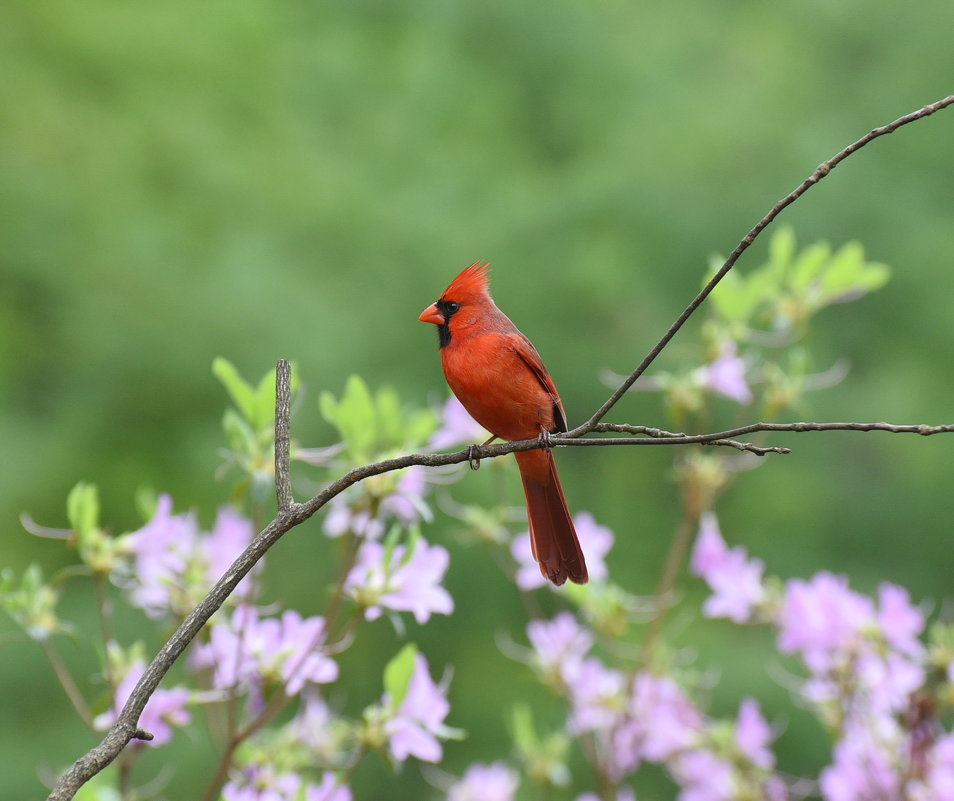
[(452, 306)]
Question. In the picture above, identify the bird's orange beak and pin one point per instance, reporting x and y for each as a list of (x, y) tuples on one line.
[(432, 315)]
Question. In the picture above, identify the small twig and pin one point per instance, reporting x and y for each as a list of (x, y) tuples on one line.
[(660, 436), (662, 599), (820, 172), (657, 436), (67, 683), (283, 491)]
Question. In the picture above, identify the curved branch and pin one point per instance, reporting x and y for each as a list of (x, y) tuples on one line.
[(820, 172)]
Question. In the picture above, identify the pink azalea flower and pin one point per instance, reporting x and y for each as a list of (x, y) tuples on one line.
[(248, 651), (405, 583), (349, 513), (735, 579), (262, 783), (229, 537), (164, 710), (938, 781), (457, 427), (330, 789), (753, 735), (622, 794), (480, 782), (559, 645), (822, 616), (726, 375), (665, 720), (900, 621), (704, 777), (863, 769), (887, 680), (175, 564), (597, 695), (161, 552), (419, 720)]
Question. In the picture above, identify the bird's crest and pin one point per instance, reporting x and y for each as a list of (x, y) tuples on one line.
[(472, 282)]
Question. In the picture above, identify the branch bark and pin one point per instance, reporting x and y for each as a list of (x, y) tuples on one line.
[(291, 514)]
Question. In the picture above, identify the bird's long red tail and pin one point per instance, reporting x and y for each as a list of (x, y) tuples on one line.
[(552, 535)]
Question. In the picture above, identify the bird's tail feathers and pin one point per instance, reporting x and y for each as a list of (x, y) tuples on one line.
[(552, 534)]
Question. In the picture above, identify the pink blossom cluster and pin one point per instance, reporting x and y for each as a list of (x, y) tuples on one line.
[(174, 563), (649, 717), (868, 675)]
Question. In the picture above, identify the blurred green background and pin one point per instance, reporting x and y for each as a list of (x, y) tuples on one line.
[(261, 180)]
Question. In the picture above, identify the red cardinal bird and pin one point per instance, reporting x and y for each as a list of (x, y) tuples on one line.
[(498, 376)]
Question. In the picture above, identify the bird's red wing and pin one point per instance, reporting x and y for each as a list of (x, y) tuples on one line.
[(523, 347)]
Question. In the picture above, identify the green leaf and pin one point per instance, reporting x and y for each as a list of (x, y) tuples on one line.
[(241, 392), (265, 402), (419, 426), (524, 732), (388, 416), (82, 509), (782, 248), (238, 433), (398, 672), (146, 502), (728, 297), (810, 264), (849, 273), (354, 416), (328, 406)]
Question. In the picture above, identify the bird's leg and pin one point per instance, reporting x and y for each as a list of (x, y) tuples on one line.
[(544, 439), (472, 460)]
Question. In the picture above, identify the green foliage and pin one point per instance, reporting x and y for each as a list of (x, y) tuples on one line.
[(255, 404), (543, 758), (99, 551), (757, 326), (31, 603), (373, 424), (82, 510), (398, 672), (792, 286)]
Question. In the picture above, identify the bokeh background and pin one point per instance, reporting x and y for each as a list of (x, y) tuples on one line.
[(261, 180)]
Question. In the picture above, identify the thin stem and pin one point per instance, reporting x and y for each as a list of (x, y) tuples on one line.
[(214, 787), (674, 562), (66, 682), (105, 626)]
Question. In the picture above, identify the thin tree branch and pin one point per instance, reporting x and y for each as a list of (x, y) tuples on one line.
[(67, 683), (661, 437), (291, 514), (283, 491), (820, 172)]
